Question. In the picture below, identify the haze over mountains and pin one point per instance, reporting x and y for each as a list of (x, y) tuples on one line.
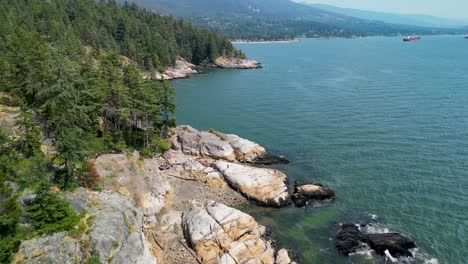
[(282, 19), (417, 20)]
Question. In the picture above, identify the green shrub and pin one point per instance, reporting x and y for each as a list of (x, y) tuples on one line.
[(146, 153), (164, 146), (50, 213), (93, 260)]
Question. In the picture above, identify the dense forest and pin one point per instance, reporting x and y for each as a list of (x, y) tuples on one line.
[(74, 69)]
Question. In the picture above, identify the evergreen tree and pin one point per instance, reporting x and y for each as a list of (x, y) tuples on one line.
[(50, 213)]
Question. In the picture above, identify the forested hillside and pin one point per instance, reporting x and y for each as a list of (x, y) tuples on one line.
[(72, 70), (278, 19)]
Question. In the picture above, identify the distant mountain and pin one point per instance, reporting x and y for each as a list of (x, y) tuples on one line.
[(417, 20), (277, 19)]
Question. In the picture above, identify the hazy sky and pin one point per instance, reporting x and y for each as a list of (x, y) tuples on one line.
[(442, 8)]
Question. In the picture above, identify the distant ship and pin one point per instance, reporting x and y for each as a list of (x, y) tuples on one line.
[(411, 38), (466, 37)]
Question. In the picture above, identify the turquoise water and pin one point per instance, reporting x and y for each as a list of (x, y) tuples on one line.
[(382, 122)]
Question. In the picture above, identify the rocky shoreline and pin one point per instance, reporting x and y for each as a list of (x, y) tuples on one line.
[(183, 69), (175, 208), (180, 207)]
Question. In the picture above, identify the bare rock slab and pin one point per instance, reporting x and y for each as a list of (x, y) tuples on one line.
[(221, 234), (267, 187), (54, 249)]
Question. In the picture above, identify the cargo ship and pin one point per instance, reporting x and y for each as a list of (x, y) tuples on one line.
[(411, 38)]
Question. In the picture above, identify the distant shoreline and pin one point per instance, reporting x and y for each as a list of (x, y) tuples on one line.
[(264, 41), (329, 38)]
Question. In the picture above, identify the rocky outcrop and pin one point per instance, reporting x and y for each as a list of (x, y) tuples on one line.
[(78, 199), (217, 145), (220, 234), (267, 187), (396, 244), (234, 63), (308, 193), (116, 234), (137, 179), (181, 70), (205, 144), (53, 249), (351, 238)]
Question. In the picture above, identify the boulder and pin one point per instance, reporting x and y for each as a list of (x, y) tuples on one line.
[(306, 193), (282, 257), (192, 166), (245, 150), (205, 144), (53, 249), (350, 239), (396, 244), (267, 187), (221, 234), (251, 152), (217, 145)]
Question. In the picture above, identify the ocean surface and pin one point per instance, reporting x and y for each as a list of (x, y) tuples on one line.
[(382, 122)]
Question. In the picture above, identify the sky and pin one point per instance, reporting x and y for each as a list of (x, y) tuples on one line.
[(455, 9)]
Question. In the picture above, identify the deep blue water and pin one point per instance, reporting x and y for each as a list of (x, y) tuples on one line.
[(382, 122)]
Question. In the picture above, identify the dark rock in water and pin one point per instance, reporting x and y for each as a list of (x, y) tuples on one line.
[(305, 193), (396, 244), (269, 159), (350, 239)]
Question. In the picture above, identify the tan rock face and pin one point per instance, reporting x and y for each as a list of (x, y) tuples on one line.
[(282, 257), (245, 150), (267, 187), (221, 234)]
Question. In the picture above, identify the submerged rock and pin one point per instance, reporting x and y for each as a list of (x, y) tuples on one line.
[(221, 234), (306, 193), (267, 187), (350, 239)]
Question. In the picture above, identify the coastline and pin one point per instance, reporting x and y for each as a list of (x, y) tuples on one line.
[(265, 41)]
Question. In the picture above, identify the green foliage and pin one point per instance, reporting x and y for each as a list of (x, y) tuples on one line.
[(93, 260), (10, 212), (50, 213)]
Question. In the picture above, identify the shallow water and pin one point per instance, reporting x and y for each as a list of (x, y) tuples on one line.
[(382, 122)]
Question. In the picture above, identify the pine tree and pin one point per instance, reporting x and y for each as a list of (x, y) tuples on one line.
[(167, 106), (50, 213)]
